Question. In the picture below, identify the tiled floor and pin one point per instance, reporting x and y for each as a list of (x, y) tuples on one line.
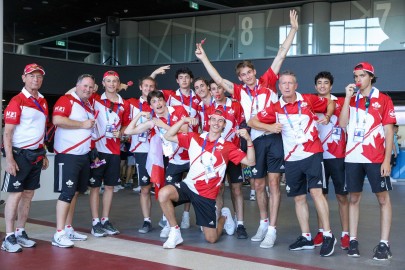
[(132, 250)]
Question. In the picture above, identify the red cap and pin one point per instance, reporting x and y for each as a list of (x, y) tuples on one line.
[(111, 73), (33, 67), (364, 66), (216, 112)]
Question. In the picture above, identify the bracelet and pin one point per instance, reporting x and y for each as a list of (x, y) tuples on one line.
[(250, 145)]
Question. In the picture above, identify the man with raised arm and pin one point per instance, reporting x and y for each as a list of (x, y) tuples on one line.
[(209, 155), (254, 96)]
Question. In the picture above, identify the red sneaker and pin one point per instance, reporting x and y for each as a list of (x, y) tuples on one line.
[(345, 242), (318, 240)]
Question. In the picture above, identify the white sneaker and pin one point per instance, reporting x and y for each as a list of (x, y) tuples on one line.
[(260, 234), (116, 189), (229, 225), (252, 197), (269, 239), (75, 236), (185, 222), (164, 233), (393, 180), (137, 189), (174, 239), (62, 240)]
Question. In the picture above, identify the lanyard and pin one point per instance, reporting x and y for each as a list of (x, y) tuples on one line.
[(140, 108), (288, 117), (37, 104), (256, 96), (106, 113), (42, 110), (203, 147), (191, 100), (84, 107), (357, 106)]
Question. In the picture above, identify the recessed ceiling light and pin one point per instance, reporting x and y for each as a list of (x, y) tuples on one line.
[(27, 8), (63, 27), (44, 2), (21, 39), (88, 21)]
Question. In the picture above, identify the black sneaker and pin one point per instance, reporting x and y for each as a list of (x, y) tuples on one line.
[(382, 252), (241, 232), (146, 227), (328, 246), (109, 228), (302, 243), (97, 230), (353, 249)]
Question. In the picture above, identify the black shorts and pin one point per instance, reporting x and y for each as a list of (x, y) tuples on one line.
[(174, 173), (269, 155), (302, 175), (234, 173), (108, 173), (27, 178), (335, 168), (355, 173), (72, 173), (204, 208), (393, 160), (140, 163)]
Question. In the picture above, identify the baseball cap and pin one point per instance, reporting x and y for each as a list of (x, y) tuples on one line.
[(216, 112), (111, 73), (364, 66), (33, 67)]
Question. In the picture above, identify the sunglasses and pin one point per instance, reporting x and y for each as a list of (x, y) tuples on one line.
[(367, 103)]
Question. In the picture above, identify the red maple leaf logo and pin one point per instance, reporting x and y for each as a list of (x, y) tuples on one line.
[(375, 154)]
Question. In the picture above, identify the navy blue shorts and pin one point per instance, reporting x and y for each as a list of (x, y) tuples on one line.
[(355, 173), (27, 178), (174, 173), (269, 155), (234, 173), (140, 163), (204, 208), (108, 173), (335, 168), (302, 175), (72, 173)]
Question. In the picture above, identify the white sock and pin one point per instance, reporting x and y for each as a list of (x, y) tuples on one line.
[(264, 223), (307, 236), (327, 233), (18, 231), (147, 219), (186, 214), (104, 220), (95, 221), (345, 233), (252, 192)]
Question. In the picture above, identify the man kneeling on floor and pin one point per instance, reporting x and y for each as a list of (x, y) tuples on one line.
[(209, 155)]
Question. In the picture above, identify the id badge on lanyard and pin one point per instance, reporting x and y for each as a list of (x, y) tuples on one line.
[(336, 133)]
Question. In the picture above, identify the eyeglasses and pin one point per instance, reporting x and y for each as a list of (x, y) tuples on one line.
[(367, 103), (38, 77)]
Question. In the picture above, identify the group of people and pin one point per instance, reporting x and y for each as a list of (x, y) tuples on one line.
[(186, 143)]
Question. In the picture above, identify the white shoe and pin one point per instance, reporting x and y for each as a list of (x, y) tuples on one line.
[(164, 233), (75, 236), (62, 240), (269, 239), (137, 189), (174, 238), (229, 225), (116, 189), (252, 197), (393, 180), (185, 222), (260, 234)]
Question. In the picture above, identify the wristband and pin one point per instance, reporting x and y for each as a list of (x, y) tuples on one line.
[(250, 146)]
